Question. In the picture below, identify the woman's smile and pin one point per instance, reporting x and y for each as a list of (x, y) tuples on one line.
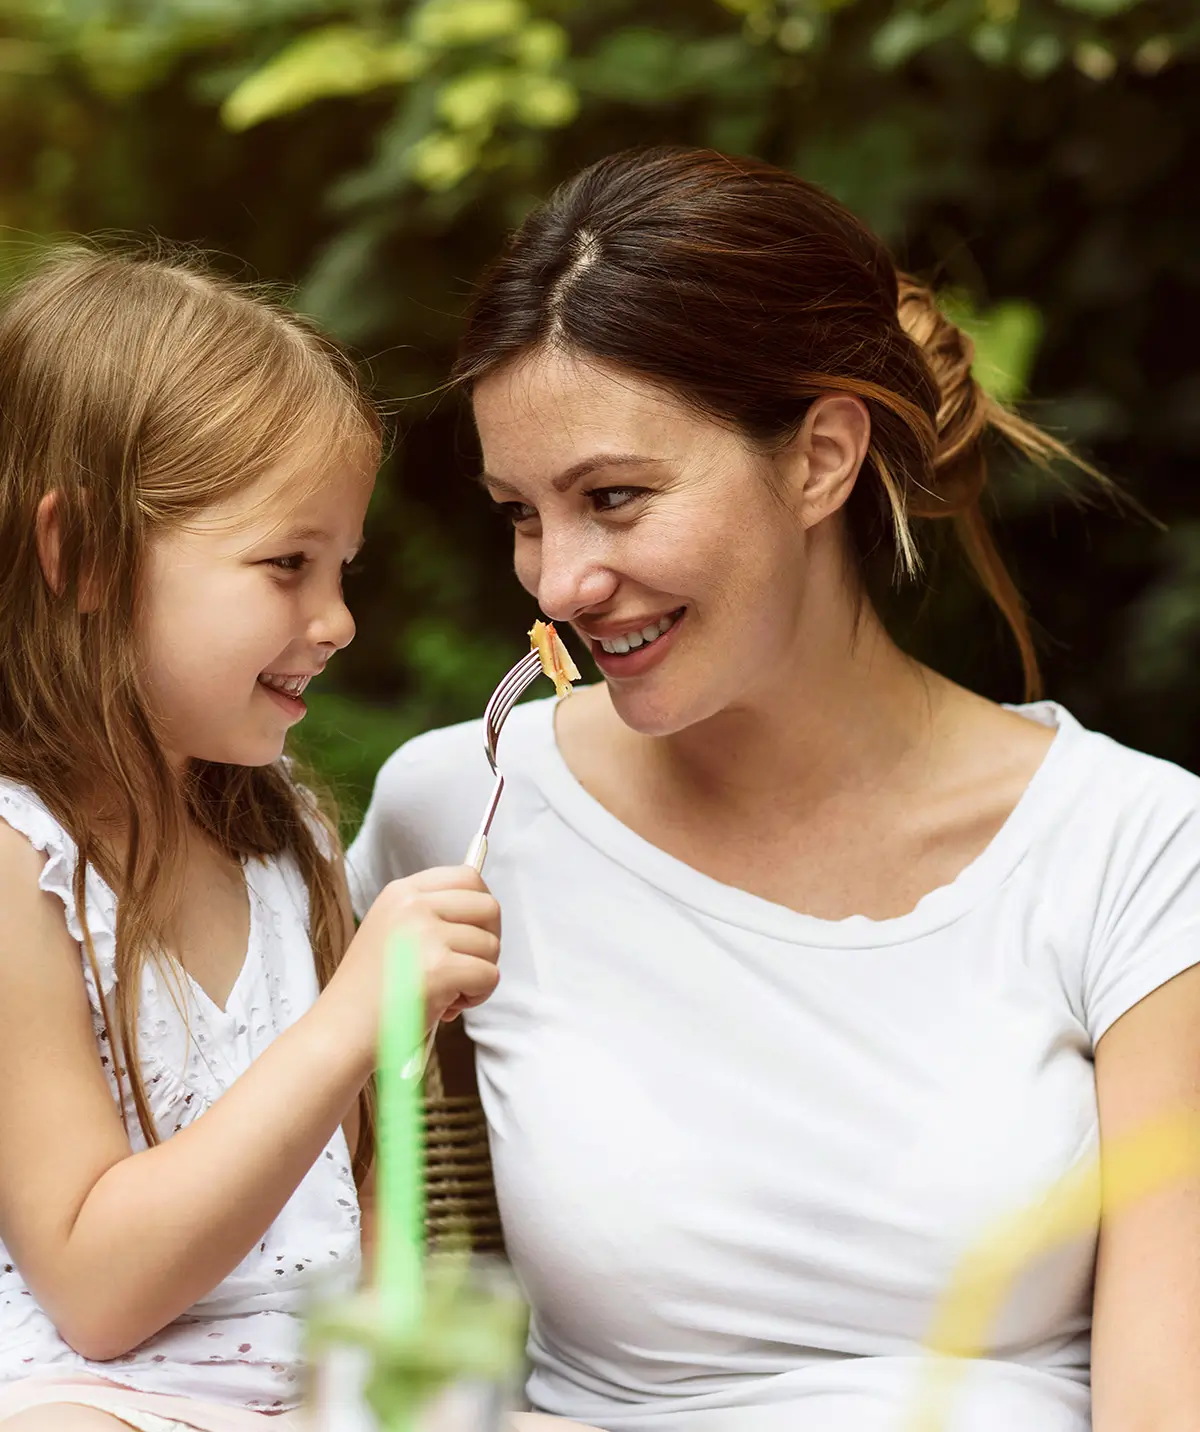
[(632, 650)]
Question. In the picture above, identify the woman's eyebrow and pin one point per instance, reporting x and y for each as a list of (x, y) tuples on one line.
[(567, 479)]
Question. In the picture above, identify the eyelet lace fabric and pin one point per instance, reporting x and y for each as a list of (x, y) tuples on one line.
[(241, 1343)]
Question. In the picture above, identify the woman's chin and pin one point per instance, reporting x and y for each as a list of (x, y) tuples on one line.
[(656, 713)]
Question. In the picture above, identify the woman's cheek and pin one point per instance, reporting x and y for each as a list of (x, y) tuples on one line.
[(527, 563)]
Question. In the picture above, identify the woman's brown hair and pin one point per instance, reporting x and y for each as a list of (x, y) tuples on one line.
[(749, 292), (140, 389)]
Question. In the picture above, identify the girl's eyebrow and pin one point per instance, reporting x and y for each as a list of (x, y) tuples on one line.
[(566, 480), (315, 534)]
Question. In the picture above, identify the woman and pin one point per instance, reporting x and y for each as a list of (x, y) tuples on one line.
[(815, 965)]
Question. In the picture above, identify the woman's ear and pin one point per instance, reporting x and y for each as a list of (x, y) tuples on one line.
[(821, 463), (49, 547)]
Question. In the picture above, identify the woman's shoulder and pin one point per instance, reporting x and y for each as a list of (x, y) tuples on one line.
[(1121, 861), (1104, 778), (455, 756), (430, 795)]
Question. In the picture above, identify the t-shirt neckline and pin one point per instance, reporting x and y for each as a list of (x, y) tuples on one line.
[(708, 896)]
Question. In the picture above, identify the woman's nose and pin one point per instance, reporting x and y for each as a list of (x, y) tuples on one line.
[(570, 579)]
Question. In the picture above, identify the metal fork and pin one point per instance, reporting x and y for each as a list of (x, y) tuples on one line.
[(496, 712), (512, 686)]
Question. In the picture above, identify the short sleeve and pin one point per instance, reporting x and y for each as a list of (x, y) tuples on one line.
[(1148, 929), (25, 813), (427, 799)]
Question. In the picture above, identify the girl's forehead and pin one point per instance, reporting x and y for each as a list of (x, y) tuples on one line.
[(313, 495)]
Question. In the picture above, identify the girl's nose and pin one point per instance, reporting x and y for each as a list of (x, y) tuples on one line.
[(333, 626)]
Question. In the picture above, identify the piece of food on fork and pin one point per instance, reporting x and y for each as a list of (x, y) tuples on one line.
[(555, 658)]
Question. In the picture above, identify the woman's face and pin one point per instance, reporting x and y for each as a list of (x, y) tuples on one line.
[(675, 549)]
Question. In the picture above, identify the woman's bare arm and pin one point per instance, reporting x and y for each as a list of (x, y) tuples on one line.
[(1146, 1336)]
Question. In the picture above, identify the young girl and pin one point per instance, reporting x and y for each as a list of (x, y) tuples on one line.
[(186, 1024)]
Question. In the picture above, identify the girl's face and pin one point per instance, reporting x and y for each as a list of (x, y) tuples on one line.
[(671, 545), (243, 607)]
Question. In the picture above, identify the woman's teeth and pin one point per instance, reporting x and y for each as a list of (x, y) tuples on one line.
[(631, 640), (289, 685)]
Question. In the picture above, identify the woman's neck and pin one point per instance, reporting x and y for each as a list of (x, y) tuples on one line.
[(845, 709)]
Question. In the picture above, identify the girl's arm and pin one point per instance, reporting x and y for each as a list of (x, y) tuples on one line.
[(1146, 1329), (115, 1245)]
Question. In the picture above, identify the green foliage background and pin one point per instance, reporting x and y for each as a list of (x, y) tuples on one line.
[(1035, 157)]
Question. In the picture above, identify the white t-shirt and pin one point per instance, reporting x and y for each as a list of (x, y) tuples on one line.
[(740, 1151)]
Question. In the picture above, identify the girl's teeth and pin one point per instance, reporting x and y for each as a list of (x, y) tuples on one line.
[(289, 685)]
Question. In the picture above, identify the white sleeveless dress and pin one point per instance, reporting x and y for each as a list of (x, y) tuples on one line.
[(240, 1345)]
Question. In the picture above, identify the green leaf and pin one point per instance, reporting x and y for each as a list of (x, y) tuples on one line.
[(474, 100), (899, 38), (640, 66), (334, 60), (992, 43), (442, 160), (1006, 338), (1041, 56), (546, 102), (1100, 9), (445, 24), (542, 45)]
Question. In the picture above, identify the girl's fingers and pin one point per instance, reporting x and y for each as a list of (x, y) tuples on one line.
[(472, 941), (465, 907), (444, 877), (466, 981)]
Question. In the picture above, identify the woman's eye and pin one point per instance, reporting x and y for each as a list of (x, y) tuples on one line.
[(293, 562), (515, 512), (609, 499)]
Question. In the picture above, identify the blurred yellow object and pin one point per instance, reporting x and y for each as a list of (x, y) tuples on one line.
[(1129, 1168)]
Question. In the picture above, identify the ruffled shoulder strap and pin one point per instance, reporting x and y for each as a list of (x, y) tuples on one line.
[(27, 814)]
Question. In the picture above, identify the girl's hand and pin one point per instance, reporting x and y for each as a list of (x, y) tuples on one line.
[(454, 921)]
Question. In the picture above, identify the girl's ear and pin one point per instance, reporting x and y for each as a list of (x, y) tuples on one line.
[(49, 546)]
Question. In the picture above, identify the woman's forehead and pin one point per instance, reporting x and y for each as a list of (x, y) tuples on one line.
[(547, 410)]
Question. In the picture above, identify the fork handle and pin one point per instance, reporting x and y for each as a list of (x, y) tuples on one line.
[(477, 851)]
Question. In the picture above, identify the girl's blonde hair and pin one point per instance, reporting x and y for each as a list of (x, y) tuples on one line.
[(141, 389)]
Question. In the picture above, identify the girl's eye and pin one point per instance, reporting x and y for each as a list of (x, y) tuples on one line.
[(609, 499), (293, 562)]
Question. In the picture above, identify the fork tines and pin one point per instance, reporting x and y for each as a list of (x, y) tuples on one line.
[(505, 697)]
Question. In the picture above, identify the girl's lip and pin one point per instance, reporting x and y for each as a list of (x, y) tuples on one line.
[(295, 706), (641, 659)]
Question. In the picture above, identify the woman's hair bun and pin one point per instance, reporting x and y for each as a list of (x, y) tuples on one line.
[(965, 411)]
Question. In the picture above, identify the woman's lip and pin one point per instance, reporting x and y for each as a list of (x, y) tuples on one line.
[(641, 659), (626, 628)]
